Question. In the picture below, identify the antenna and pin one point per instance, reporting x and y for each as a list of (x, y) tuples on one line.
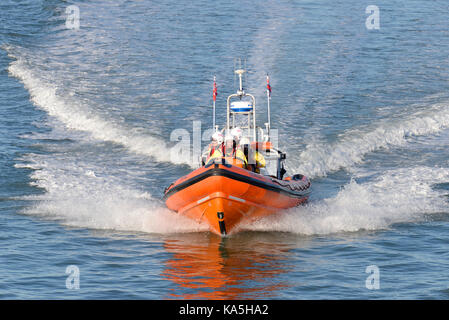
[(268, 124), (235, 68), (238, 66), (245, 68), (240, 73)]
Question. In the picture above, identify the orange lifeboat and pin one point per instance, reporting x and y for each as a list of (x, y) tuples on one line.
[(225, 195), (224, 192)]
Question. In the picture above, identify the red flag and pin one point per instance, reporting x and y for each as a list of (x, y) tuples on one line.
[(268, 86), (214, 94)]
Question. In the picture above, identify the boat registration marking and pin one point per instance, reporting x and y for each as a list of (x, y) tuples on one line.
[(235, 198), (202, 200)]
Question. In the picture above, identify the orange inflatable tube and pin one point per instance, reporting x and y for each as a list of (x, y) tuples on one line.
[(224, 195)]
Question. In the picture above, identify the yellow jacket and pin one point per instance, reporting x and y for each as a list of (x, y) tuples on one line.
[(232, 158), (260, 160), (239, 155), (215, 155)]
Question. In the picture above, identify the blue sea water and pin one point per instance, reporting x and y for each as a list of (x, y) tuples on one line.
[(86, 118)]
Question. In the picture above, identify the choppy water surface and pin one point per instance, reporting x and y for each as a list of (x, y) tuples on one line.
[(85, 122)]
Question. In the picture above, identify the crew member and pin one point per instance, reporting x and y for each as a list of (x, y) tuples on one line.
[(255, 159), (231, 151), (237, 134), (215, 149), (259, 161)]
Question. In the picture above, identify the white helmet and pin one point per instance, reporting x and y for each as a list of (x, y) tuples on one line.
[(228, 137), (244, 141), (217, 136), (237, 132)]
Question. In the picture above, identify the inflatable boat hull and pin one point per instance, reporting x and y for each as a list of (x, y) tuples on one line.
[(225, 196)]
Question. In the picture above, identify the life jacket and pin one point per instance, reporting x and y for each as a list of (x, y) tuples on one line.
[(236, 158), (214, 153), (255, 159), (260, 160)]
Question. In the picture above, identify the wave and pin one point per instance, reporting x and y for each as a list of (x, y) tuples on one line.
[(398, 196), (320, 158), (76, 116), (76, 196)]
